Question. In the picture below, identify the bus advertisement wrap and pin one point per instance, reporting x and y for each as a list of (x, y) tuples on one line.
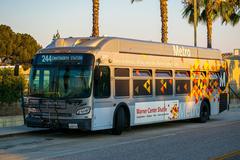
[(146, 112), (172, 110)]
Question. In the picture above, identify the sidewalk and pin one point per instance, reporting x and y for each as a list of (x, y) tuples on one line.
[(11, 131)]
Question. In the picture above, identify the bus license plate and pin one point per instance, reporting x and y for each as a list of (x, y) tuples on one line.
[(73, 126)]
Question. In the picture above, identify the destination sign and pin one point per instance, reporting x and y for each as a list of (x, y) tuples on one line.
[(79, 59)]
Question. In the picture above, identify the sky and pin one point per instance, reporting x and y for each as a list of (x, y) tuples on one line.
[(118, 18)]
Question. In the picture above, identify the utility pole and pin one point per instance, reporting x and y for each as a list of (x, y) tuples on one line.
[(195, 22)]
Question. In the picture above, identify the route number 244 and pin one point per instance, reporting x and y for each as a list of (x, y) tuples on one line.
[(46, 58)]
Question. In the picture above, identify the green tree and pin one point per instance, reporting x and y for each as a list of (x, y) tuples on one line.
[(95, 26), (164, 19), (10, 86), (7, 42), (16, 47)]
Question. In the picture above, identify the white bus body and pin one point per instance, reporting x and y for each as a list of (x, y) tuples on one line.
[(151, 82)]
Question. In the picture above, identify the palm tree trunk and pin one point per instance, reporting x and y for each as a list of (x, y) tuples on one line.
[(95, 27), (164, 19), (209, 23)]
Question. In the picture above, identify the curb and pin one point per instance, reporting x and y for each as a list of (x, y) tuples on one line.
[(231, 106), (22, 132)]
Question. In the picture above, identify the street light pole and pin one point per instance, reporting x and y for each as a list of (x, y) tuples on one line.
[(195, 22)]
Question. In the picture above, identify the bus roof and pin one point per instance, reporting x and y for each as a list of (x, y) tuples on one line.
[(129, 46)]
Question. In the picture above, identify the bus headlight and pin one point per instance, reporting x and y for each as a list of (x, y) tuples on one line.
[(33, 110), (84, 110)]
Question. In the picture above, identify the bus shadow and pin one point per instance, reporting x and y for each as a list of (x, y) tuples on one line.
[(72, 133)]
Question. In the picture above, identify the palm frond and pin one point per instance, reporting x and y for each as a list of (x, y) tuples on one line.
[(235, 19)]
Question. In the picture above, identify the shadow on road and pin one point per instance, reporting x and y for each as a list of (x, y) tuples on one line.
[(71, 133)]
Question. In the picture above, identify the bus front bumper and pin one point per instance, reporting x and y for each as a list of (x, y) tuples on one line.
[(82, 124)]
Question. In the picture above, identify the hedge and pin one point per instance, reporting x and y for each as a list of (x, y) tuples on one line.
[(10, 86)]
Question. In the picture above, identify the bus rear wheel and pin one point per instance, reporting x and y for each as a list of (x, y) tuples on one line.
[(119, 122), (204, 112)]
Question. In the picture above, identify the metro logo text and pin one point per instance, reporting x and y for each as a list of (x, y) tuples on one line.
[(181, 51)]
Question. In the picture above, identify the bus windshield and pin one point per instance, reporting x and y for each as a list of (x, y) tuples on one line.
[(61, 81)]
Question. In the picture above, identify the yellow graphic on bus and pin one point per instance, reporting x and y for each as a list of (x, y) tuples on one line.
[(147, 86)]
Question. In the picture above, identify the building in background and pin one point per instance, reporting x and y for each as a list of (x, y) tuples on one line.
[(236, 52), (233, 60)]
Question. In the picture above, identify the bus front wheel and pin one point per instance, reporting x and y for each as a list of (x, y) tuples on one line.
[(204, 112), (119, 121)]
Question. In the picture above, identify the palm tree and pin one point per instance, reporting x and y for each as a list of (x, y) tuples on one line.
[(210, 10), (189, 12), (95, 27), (164, 19), (219, 8), (209, 21), (230, 12), (205, 12)]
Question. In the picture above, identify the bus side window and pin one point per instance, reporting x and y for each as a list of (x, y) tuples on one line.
[(121, 82), (142, 82), (102, 82), (164, 82), (182, 79)]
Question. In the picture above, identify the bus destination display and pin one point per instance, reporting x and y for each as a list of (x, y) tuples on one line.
[(47, 59)]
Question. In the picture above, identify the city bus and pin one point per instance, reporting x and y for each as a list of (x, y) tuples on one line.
[(114, 83)]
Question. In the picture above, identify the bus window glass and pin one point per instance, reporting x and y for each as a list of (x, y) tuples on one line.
[(121, 72), (182, 86), (142, 73), (61, 76), (214, 75), (41, 82), (214, 80), (102, 83), (75, 82), (35, 80), (182, 74), (46, 80), (161, 73), (121, 87), (164, 86), (142, 87)]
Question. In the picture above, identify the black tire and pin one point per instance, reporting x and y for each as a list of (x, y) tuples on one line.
[(204, 112), (119, 122)]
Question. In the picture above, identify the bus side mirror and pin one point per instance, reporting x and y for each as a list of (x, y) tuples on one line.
[(16, 70)]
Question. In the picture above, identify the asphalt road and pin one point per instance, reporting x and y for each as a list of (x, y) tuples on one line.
[(218, 138)]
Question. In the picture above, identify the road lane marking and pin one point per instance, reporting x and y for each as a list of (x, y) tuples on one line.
[(70, 152), (228, 155), (167, 134), (178, 131)]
